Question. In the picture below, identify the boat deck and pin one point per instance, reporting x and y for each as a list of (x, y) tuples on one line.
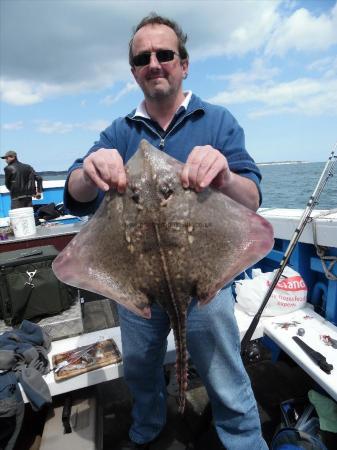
[(54, 232), (108, 385), (276, 328), (113, 401)]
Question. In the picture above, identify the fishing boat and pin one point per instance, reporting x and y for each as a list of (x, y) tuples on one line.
[(52, 193), (314, 257)]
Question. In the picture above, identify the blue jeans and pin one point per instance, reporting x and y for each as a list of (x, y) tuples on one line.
[(213, 343)]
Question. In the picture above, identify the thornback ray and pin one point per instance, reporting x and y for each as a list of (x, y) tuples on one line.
[(159, 242)]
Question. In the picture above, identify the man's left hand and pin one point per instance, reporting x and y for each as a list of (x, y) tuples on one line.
[(205, 166)]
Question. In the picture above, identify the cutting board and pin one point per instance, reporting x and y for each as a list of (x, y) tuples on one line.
[(84, 359)]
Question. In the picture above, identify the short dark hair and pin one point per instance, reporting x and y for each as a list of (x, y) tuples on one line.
[(154, 19)]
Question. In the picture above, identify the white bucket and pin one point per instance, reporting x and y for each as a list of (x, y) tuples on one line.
[(23, 222)]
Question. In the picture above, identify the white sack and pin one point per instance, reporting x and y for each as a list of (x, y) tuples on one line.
[(289, 294)]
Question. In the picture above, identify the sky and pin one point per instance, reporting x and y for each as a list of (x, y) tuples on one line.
[(65, 74)]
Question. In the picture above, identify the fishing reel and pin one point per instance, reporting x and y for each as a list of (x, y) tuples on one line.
[(253, 352)]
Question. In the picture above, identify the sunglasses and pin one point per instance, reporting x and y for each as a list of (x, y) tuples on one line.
[(163, 56)]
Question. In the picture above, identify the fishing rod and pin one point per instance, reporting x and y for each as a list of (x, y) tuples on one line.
[(305, 218)]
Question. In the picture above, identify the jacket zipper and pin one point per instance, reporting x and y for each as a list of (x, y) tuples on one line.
[(162, 139)]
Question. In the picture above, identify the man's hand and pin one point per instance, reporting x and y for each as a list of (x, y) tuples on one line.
[(105, 169), (102, 169), (205, 166)]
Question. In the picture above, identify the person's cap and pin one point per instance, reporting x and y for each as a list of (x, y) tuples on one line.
[(9, 153)]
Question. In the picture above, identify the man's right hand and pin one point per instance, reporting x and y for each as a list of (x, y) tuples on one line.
[(105, 169), (102, 169)]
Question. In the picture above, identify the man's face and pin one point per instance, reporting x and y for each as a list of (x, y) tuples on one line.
[(9, 159), (158, 80)]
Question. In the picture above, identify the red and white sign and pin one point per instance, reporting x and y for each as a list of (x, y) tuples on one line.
[(289, 294)]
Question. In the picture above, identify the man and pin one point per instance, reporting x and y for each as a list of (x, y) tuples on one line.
[(21, 181), (211, 144)]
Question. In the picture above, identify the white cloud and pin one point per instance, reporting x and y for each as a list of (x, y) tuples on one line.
[(229, 28), (72, 47), (19, 92), (304, 31), (261, 89), (22, 92), (110, 99), (69, 47), (251, 35), (326, 67), (269, 96), (13, 126), (96, 125), (258, 72), (58, 127)]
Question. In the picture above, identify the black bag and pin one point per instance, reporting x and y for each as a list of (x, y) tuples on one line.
[(48, 212), (28, 286)]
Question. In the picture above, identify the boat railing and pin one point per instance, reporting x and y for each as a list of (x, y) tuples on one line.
[(307, 258)]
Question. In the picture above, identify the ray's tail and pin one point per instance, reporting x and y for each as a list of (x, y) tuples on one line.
[(179, 331)]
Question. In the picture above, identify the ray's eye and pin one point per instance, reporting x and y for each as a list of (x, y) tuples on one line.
[(166, 190), (135, 194)]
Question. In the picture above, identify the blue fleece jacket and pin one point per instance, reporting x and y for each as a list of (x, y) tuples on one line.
[(200, 124)]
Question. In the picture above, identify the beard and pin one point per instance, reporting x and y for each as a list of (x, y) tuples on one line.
[(160, 90)]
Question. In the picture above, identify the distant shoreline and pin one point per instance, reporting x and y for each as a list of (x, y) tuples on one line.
[(268, 163), (45, 173), (62, 174), (279, 163)]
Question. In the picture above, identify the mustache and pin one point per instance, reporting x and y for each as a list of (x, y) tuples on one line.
[(155, 74)]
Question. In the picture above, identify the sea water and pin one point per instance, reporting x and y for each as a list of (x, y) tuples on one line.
[(284, 185), (291, 185)]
